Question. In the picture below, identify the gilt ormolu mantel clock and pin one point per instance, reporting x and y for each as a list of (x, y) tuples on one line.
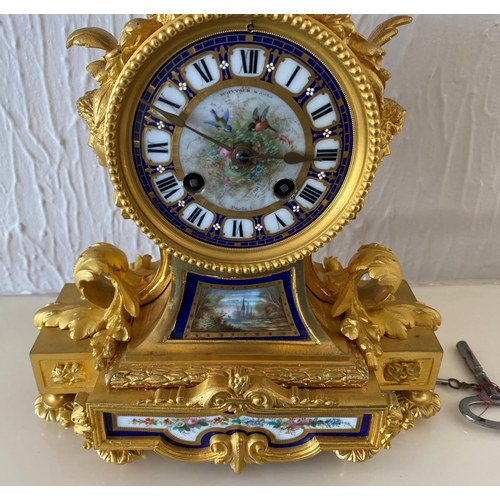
[(239, 145)]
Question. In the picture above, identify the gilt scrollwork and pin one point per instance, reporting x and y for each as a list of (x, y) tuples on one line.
[(239, 449), (80, 420), (370, 54), (114, 292), (367, 308), (92, 106), (239, 391), (402, 410), (396, 420), (402, 371)]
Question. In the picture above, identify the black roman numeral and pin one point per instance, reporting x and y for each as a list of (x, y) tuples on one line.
[(157, 147), (279, 221), (328, 154), (310, 194), (168, 186), (204, 71), (237, 229), (196, 218), (249, 60), (170, 103), (324, 110), (294, 74)]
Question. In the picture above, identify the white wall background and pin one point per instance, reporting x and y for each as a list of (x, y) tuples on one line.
[(435, 201)]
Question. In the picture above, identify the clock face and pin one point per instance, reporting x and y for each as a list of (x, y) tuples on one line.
[(251, 186), (249, 140)]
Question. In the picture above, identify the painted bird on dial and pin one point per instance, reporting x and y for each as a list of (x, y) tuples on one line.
[(260, 122), (220, 121)]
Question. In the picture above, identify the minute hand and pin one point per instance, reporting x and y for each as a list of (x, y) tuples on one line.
[(291, 158), (177, 121)]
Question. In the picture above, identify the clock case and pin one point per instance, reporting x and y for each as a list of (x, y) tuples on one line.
[(121, 357)]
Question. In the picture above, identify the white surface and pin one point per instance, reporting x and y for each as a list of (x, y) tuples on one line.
[(444, 450), (434, 201)]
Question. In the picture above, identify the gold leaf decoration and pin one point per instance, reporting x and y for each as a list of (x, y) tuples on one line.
[(396, 420), (87, 325), (55, 408), (81, 423), (175, 375), (402, 372), (395, 318), (368, 309), (388, 30), (81, 320), (163, 18), (112, 290), (340, 24), (368, 50), (120, 457), (423, 404), (238, 381), (92, 106), (239, 449), (249, 391), (359, 455), (92, 38), (68, 373), (392, 121), (136, 31), (370, 54)]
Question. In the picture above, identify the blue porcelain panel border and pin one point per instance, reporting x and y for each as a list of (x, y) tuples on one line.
[(192, 281), (205, 441)]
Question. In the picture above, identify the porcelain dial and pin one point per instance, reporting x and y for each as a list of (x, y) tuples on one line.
[(242, 140)]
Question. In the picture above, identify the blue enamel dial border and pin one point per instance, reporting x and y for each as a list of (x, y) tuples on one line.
[(275, 44), (205, 440), (192, 281)]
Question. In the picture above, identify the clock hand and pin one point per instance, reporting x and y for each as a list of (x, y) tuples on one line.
[(290, 158), (177, 121)]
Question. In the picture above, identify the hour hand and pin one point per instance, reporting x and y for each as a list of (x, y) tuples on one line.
[(178, 121)]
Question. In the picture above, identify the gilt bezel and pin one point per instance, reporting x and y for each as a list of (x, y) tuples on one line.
[(186, 29)]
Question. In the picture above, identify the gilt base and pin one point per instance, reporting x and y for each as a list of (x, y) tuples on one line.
[(236, 415)]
